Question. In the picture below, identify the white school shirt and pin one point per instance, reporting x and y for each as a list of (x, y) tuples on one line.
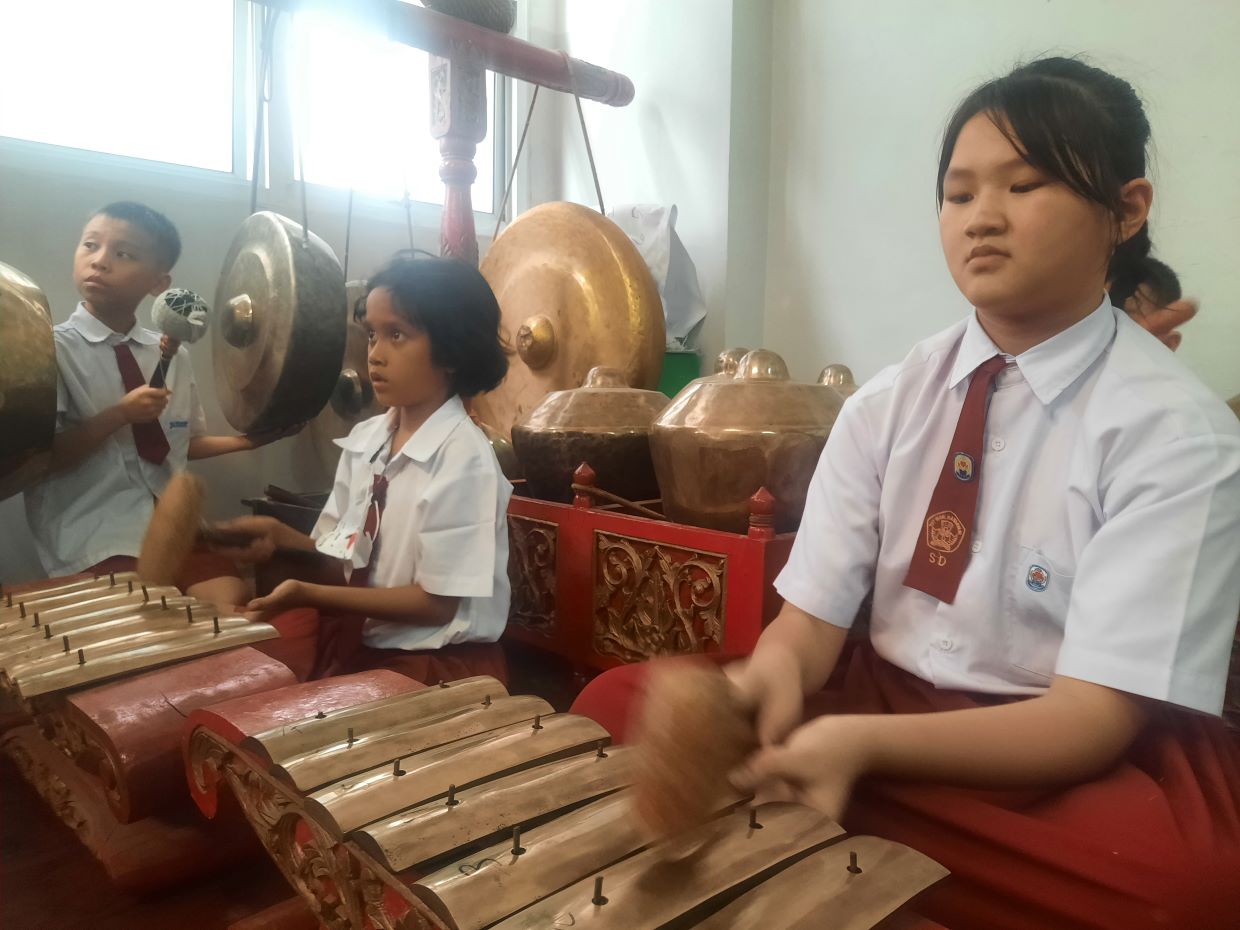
[(444, 525), (101, 507), (1107, 538)]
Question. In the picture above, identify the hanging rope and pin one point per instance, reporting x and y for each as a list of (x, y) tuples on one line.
[(264, 20), (512, 173), (590, 154), (348, 233), (301, 163), (409, 219)]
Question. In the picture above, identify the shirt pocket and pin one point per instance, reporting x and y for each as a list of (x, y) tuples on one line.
[(1037, 591)]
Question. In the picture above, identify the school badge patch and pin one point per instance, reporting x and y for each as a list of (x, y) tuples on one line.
[(1038, 578), (962, 466), (944, 531)]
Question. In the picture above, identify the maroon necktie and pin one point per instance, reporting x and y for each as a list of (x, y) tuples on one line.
[(374, 516), (942, 551), (148, 437)]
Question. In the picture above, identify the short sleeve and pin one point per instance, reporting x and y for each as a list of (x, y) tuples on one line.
[(338, 499), (831, 567), (457, 543), (1153, 608)]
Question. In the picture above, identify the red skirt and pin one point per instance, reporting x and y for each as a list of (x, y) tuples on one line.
[(1153, 844), (341, 652)]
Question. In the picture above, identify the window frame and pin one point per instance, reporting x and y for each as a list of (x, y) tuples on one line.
[(282, 186)]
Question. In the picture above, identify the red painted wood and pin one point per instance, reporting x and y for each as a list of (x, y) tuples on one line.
[(153, 853), (459, 121), (138, 721), (293, 914), (750, 601)]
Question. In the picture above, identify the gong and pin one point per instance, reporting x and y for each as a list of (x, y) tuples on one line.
[(27, 382), (574, 293), (280, 325)]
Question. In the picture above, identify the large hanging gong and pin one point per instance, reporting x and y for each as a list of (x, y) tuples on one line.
[(575, 294), (280, 325), (27, 382)]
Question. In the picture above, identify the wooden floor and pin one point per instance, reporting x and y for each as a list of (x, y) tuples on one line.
[(48, 881)]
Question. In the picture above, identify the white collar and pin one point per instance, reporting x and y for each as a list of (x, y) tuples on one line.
[(369, 438), (1051, 365), (93, 329)]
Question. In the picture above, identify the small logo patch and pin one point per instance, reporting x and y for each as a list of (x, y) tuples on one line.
[(178, 424), (1038, 578), (944, 531), (962, 466)]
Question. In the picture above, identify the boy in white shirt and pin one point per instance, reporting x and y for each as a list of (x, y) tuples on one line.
[(118, 441)]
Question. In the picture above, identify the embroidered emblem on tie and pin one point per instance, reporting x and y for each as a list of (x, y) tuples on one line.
[(1038, 578), (941, 555), (944, 532)]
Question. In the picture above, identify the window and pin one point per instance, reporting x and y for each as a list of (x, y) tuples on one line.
[(361, 114), (149, 79), (174, 81)]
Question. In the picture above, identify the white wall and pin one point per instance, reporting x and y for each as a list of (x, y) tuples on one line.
[(861, 93), (694, 135)]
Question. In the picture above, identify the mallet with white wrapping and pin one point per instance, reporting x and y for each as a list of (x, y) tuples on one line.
[(181, 315)]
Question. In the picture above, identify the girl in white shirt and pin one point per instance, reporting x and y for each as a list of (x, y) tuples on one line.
[(416, 526), (1036, 702)]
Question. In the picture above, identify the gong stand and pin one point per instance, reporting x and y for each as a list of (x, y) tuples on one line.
[(461, 54)]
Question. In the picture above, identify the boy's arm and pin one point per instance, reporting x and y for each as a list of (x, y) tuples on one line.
[(72, 446), (1074, 731), (409, 604), (206, 447)]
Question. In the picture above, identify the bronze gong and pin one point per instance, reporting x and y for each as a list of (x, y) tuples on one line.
[(574, 294), (27, 382), (280, 325)]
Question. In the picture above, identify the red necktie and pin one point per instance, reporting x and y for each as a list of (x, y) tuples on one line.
[(374, 516), (148, 437), (942, 551)]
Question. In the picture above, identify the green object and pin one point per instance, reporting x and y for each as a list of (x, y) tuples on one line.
[(680, 366)]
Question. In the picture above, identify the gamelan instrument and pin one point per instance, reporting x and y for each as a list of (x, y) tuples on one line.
[(574, 293), (96, 676), (27, 382), (461, 806)]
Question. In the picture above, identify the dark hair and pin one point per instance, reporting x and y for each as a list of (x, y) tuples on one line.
[(165, 236), (452, 303), (1079, 124), (1161, 282)]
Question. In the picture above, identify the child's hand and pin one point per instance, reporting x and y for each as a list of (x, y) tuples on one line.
[(264, 437), (818, 765), (290, 593), (144, 404), (1161, 321), (263, 533), (770, 687)]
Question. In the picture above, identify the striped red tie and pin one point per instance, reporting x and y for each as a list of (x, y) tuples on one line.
[(943, 548)]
